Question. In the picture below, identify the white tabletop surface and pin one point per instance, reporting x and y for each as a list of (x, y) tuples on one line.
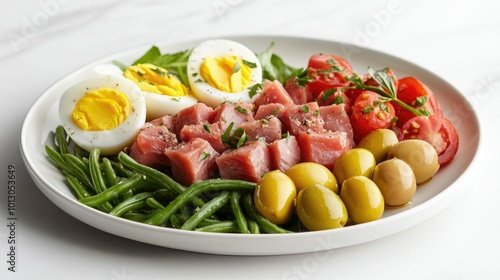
[(44, 40)]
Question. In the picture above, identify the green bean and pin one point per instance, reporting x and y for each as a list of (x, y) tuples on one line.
[(138, 217), (253, 227), (79, 169), (264, 224), (135, 202), (128, 194), (95, 171), (185, 212), (208, 209), (159, 177), (78, 164), (175, 221), (109, 172), (226, 226), (113, 191), (208, 221), (97, 176), (153, 203), (79, 152), (237, 212), (121, 170), (77, 188), (61, 139), (156, 176), (199, 187), (56, 158), (164, 196), (68, 165)]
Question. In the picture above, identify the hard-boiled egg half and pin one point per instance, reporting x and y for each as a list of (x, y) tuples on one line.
[(104, 111), (164, 93), (221, 71)]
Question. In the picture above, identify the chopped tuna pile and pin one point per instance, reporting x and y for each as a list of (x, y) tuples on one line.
[(284, 126)]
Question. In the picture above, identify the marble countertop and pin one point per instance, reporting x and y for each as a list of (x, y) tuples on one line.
[(42, 41)]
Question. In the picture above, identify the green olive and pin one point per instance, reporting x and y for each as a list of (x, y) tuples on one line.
[(379, 142), (274, 197), (306, 174), (354, 162), (363, 199), (318, 208), (395, 179), (420, 155)]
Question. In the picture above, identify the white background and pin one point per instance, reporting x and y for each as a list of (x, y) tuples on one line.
[(42, 41)]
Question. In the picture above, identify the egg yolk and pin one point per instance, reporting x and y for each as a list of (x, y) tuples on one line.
[(101, 109), (228, 73), (152, 78)]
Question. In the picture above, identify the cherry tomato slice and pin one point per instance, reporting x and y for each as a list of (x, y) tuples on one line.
[(416, 94), (436, 130), (370, 113), (327, 71)]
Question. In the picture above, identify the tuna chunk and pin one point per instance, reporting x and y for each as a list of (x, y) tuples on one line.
[(167, 121), (192, 161), (302, 118), (323, 148), (273, 92), (268, 130), (335, 96), (269, 110), (336, 119), (150, 145), (249, 162), (195, 114), (284, 153), (209, 132), (299, 94), (228, 113)]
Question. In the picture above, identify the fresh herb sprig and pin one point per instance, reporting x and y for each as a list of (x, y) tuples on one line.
[(387, 89), (274, 68)]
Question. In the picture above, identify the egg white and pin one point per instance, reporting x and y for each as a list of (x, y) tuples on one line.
[(158, 105), (108, 141), (220, 48)]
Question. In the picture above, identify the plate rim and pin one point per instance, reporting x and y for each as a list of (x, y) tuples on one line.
[(453, 188)]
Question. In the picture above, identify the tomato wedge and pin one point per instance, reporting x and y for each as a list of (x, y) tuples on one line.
[(416, 94), (327, 71), (370, 112), (435, 129)]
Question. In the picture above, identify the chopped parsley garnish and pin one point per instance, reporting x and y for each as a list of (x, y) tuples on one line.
[(241, 110), (304, 109), (236, 139), (206, 127), (249, 64), (327, 93), (303, 78), (338, 100), (420, 101), (367, 110), (204, 156), (236, 67), (253, 90)]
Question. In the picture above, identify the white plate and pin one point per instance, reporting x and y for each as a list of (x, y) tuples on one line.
[(430, 198)]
